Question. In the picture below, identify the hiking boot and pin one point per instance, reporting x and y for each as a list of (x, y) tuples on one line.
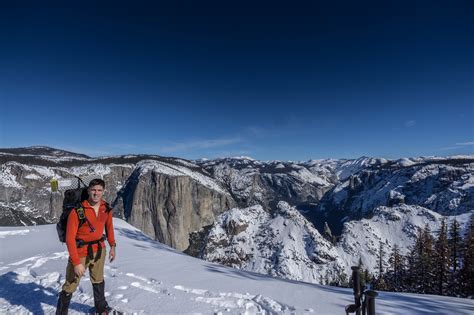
[(100, 304), (63, 303)]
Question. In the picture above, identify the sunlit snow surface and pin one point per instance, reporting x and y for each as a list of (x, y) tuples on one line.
[(151, 278)]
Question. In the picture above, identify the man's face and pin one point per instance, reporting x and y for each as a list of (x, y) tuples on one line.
[(95, 193)]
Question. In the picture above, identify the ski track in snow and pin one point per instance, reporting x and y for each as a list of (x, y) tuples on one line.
[(122, 287)]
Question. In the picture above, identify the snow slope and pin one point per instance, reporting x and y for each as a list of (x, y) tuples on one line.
[(150, 278)]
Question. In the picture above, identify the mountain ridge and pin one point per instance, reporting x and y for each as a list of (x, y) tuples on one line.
[(179, 201)]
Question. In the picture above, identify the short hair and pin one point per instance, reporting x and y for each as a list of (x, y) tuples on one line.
[(97, 181)]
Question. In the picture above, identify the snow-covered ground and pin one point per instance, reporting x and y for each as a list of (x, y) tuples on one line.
[(150, 278)]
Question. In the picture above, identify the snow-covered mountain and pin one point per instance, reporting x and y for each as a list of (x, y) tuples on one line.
[(252, 182), (443, 185), (263, 216), (281, 244), (286, 244), (150, 278), (43, 152)]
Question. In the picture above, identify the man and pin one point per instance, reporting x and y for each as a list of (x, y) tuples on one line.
[(85, 244)]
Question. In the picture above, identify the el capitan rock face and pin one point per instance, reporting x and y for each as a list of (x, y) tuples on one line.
[(168, 207)]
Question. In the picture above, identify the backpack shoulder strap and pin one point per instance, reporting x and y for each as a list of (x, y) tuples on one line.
[(81, 214), (108, 208)]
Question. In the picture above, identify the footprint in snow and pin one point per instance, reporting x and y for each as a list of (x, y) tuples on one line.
[(154, 281), (131, 275), (251, 303), (144, 287), (113, 270)]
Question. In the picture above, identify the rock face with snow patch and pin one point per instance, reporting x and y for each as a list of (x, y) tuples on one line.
[(168, 202), (282, 244)]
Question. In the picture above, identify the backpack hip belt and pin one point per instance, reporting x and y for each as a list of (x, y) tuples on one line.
[(80, 243)]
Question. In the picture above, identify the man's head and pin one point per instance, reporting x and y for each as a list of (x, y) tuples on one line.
[(96, 190)]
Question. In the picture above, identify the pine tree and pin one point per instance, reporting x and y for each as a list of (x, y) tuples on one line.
[(421, 263), (467, 269), (441, 260), (455, 242), (397, 269), (426, 267), (410, 282), (361, 274), (381, 255), (380, 283), (340, 279), (455, 249)]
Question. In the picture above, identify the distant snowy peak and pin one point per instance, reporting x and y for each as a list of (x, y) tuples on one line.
[(406, 162), (349, 167), (442, 185), (44, 151), (302, 172), (354, 187), (243, 158), (306, 175), (313, 171), (236, 162), (266, 183)]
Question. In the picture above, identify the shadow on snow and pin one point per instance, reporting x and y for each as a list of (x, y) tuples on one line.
[(139, 236), (31, 295)]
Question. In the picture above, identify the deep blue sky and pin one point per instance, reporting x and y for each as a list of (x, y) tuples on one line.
[(291, 81)]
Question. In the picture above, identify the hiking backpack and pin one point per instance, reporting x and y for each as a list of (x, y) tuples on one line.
[(73, 199)]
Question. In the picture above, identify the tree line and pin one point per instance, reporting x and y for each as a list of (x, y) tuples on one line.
[(441, 265)]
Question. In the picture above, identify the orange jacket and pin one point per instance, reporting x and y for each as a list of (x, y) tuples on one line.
[(74, 232)]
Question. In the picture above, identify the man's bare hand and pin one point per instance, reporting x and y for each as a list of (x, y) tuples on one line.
[(112, 254), (79, 270)]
